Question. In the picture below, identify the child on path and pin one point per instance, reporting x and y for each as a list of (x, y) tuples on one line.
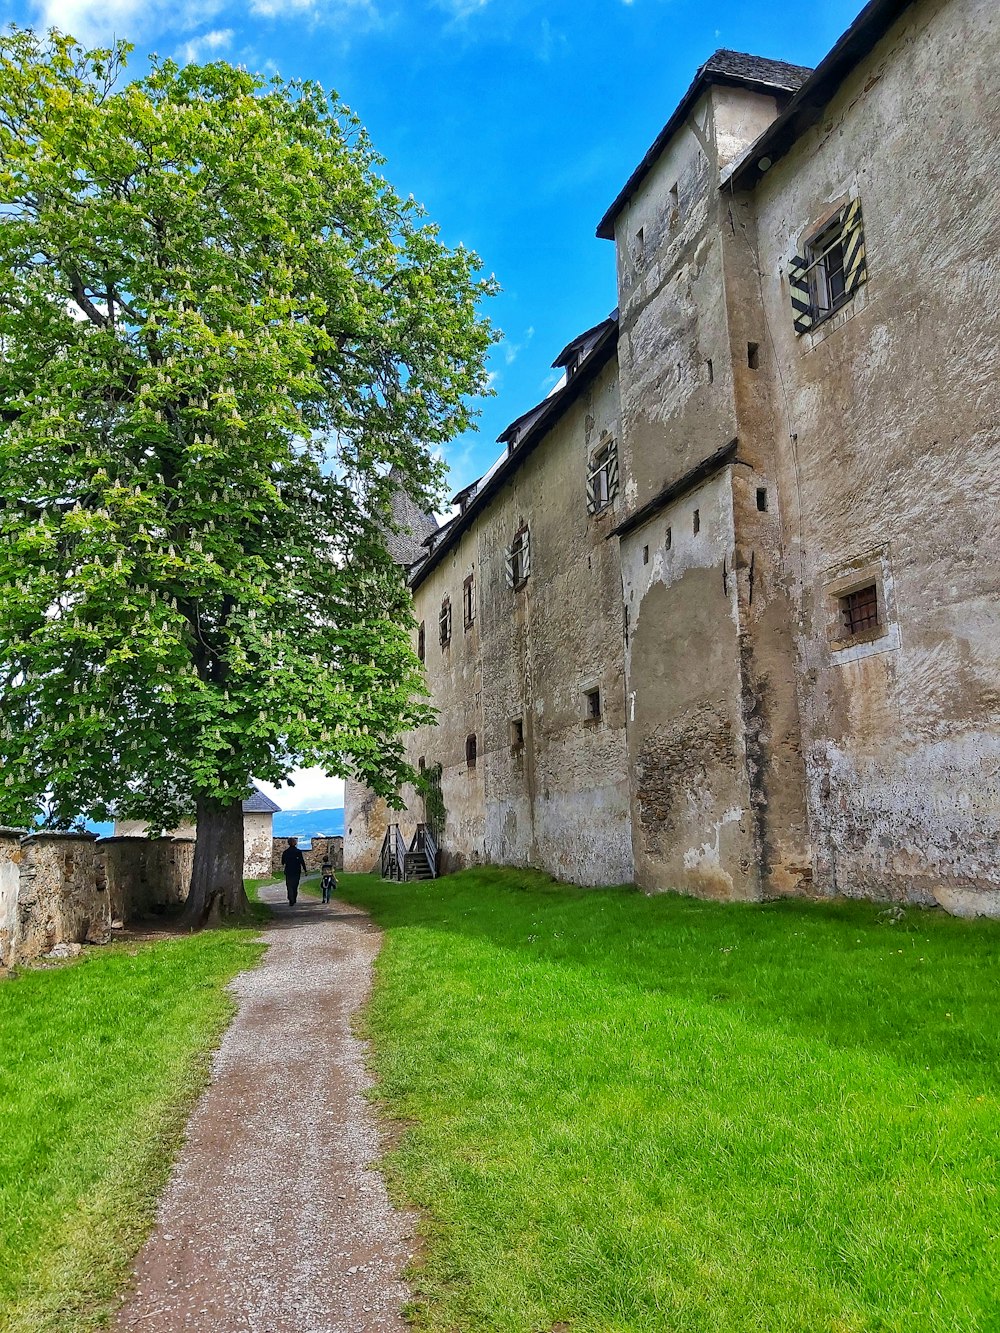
[(328, 882)]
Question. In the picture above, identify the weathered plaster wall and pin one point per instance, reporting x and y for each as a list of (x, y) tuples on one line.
[(887, 437), (366, 818), (62, 895), (10, 876), (692, 816), (257, 845), (676, 374), (560, 801)]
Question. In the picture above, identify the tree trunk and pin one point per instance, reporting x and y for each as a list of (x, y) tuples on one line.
[(217, 891)]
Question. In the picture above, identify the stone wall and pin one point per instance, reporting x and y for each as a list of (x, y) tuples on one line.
[(322, 849), (10, 879), (62, 894), (146, 873)]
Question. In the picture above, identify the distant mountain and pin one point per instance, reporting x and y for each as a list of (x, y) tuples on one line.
[(309, 823), (303, 824)]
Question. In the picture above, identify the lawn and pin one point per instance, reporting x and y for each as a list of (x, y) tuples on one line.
[(102, 1060), (659, 1114)]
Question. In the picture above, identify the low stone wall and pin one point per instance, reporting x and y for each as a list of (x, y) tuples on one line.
[(10, 879), (62, 894), (146, 873), (322, 849)]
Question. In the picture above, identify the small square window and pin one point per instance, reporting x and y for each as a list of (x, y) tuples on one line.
[(859, 611), (471, 749), (592, 700)]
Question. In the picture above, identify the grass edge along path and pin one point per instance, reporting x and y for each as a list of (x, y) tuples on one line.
[(623, 1114), (103, 1060)]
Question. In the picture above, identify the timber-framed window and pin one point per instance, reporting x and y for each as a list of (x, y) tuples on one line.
[(518, 558), (602, 478), (831, 271)]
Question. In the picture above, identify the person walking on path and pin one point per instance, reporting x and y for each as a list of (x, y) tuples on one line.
[(328, 883), (293, 863)]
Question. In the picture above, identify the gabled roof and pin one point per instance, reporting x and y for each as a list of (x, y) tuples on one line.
[(806, 107), (731, 68), (581, 345), (259, 804), (535, 426)]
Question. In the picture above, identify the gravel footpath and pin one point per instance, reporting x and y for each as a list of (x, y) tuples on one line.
[(274, 1220)]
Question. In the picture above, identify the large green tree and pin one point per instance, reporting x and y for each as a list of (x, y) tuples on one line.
[(224, 339)]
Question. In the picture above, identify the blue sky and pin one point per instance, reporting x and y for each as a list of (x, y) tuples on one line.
[(515, 122)]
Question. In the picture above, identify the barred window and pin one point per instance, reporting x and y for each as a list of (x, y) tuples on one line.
[(602, 478), (832, 269), (859, 610)]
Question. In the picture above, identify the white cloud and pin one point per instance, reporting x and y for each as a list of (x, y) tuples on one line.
[(313, 790), (317, 9), (209, 43), (463, 9), (100, 20)]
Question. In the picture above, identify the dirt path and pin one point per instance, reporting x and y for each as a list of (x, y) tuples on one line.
[(272, 1221)]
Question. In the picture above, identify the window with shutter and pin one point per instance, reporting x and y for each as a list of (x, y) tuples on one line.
[(831, 271), (602, 478), (444, 622), (518, 558)]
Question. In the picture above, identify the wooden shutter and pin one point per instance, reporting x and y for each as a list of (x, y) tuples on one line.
[(612, 473), (852, 232), (525, 553), (798, 282), (508, 560), (591, 492)]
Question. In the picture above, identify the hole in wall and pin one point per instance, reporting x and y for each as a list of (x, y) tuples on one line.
[(696, 521), (762, 499), (753, 356), (710, 370), (669, 540), (645, 555)]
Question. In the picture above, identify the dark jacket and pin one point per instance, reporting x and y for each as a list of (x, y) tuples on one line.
[(293, 863)]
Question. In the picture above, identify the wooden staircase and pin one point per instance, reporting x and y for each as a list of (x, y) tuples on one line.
[(404, 863)]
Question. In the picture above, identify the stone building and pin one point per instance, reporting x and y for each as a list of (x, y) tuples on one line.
[(258, 816), (724, 617)]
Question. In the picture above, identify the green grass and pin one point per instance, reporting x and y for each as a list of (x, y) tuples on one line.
[(628, 1114), (102, 1060)]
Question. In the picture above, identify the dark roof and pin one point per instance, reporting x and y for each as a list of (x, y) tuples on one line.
[(259, 804), (732, 68), (581, 345), (806, 107), (411, 526), (544, 416)]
